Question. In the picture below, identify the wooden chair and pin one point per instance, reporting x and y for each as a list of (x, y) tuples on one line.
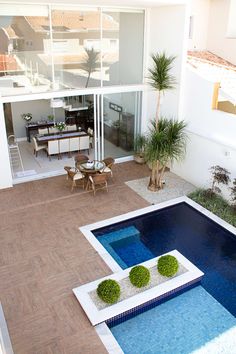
[(109, 162), (98, 181), (74, 176), (38, 147)]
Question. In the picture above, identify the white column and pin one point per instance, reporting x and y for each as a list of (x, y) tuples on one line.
[(5, 166)]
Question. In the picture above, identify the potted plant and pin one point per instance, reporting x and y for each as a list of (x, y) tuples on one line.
[(61, 126), (139, 148), (50, 117)]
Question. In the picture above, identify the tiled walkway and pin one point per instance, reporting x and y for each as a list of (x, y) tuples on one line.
[(43, 256)]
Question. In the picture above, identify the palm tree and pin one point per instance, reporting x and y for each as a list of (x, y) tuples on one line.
[(166, 143), (160, 78), (91, 63)]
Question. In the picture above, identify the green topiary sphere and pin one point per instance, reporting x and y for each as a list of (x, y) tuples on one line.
[(167, 265), (139, 276), (109, 291)]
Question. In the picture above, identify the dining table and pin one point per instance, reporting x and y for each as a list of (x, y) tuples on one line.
[(89, 168)]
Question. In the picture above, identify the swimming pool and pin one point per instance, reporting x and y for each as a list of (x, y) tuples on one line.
[(200, 320), (205, 243)]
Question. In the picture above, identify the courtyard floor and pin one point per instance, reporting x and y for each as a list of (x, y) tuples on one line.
[(43, 256)]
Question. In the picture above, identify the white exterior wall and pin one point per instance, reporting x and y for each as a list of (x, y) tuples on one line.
[(166, 31), (5, 172), (212, 134), (199, 10), (218, 42)]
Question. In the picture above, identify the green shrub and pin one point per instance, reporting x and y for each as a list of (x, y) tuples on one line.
[(109, 291), (167, 265), (139, 276), (216, 204)]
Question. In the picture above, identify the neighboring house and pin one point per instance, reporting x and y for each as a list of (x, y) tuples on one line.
[(212, 27)]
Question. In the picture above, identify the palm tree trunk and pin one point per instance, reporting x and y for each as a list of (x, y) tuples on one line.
[(89, 74), (152, 181), (161, 174), (158, 107)]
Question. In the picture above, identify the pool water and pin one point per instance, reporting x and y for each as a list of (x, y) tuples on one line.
[(206, 244), (179, 326)]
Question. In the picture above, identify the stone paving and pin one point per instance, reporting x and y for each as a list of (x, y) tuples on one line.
[(174, 187)]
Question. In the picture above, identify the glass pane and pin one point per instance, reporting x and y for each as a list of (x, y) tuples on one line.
[(24, 66), (76, 47), (122, 47), (121, 115)]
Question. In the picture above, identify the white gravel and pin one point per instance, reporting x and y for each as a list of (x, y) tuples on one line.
[(128, 290)]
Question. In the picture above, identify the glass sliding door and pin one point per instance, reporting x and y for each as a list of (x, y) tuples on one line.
[(117, 123)]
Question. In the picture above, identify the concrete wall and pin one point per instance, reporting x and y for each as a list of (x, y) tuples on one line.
[(211, 134), (40, 109), (217, 41), (199, 11), (166, 31)]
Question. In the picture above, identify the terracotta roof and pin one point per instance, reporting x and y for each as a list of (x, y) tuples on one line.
[(211, 58), (8, 63), (63, 21)]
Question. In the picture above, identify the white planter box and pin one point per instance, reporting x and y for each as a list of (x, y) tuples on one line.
[(96, 316)]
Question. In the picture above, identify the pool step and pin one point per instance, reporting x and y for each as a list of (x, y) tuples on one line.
[(125, 246)]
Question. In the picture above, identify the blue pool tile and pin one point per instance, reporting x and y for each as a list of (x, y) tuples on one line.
[(179, 326)]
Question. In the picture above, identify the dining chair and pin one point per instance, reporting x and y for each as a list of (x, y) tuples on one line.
[(80, 158), (37, 147), (98, 181), (43, 131), (53, 130), (71, 127), (74, 176), (109, 162)]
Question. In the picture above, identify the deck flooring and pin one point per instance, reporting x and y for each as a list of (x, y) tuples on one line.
[(43, 256)]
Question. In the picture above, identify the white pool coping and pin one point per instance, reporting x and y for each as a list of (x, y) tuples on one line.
[(102, 329), (97, 316), (113, 265)]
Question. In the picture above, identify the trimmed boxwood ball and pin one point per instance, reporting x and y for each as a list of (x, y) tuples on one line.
[(139, 276), (167, 265), (109, 291)]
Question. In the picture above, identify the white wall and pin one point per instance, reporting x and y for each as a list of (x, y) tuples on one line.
[(203, 153), (199, 10), (217, 42), (5, 171), (211, 137), (40, 109), (166, 28)]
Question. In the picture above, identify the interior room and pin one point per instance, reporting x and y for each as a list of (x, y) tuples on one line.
[(45, 135)]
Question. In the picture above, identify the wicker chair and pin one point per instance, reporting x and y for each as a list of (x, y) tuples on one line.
[(98, 181), (80, 158), (109, 162), (74, 176)]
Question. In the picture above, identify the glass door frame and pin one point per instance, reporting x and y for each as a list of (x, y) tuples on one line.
[(99, 146)]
